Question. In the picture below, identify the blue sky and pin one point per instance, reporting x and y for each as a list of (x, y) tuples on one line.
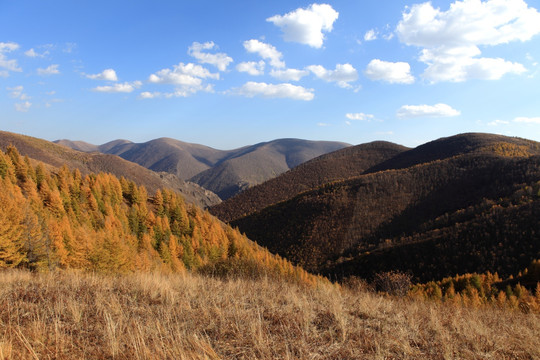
[(232, 73)]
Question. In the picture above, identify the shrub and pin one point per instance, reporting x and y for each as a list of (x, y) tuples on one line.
[(393, 282)]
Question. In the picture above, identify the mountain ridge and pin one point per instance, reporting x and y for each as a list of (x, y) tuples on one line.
[(224, 172), (57, 155)]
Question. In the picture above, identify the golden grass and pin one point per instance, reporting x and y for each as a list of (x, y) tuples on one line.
[(154, 316)]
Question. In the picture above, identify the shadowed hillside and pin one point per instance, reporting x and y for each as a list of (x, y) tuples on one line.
[(458, 145), (57, 156), (338, 165), (383, 213)]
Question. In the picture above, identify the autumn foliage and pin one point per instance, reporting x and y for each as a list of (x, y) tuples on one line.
[(62, 220)]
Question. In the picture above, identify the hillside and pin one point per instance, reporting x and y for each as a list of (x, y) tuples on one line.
[(335, 166), (71, 315), (100, 223), (255, 164), (56, 156), (448, 147), (169, 155), (392, 219), (222, 172)]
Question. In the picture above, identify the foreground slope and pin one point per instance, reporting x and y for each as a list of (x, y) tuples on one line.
[(362, 225), (56, 156), (335, 166), (150, 316)]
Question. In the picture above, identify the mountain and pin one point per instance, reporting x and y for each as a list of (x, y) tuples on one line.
[(255, 164), (168, 155), (63, 219), (335, 166), (455, 209), (223, 172), (57, 155)]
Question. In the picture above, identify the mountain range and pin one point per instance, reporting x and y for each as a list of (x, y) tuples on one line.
[(466, 203), (56, 156), (462, 204), (225, 173)]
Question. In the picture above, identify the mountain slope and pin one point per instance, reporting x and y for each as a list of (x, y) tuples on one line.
[(458, 145), (57, 155), (255, 164), (335, 166), (104, 224), (176, 157), (341, 222), (223, 172)]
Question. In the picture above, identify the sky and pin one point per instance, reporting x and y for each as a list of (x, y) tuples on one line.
[(232, 73)]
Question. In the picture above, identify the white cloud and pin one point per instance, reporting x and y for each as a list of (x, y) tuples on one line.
[(33, 54), (107, 74), (451, 39), (126, 87), (23, 107), (149, 95), (342, 75), (392, 72), (183, 74), (50, 70), (266, 51), (17, 93), (498, 122), (306, 26), (527, 120), (321, 124), (359, 116), (219, 60), (188, 79), (289, 74), (285, 90), (437, 110), (251, 67), (370, 35), (5, 63)]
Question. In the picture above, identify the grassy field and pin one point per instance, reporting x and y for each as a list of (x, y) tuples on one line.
[(151, 316)]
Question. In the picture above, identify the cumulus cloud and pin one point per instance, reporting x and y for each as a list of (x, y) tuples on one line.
[(183, 74), (306, 26), (342, 75), (370, 35), (359, 116), (450, 39), (188, 78), (285, 90), (392, 72), (289, 74), (527, 120), (251, 67), (5, 63), (126, 87), (437, 110), (23, 107), (266, 51), (107, 74), (219, 60), (50, 70)]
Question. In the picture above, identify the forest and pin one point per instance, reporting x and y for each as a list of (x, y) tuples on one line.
[(60, 219)]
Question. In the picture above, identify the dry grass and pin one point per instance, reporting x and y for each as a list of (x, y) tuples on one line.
[(149, 316)]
